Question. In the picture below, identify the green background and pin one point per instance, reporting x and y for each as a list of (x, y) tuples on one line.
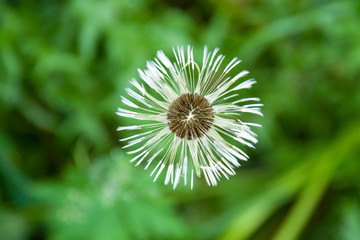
[(64, 65)]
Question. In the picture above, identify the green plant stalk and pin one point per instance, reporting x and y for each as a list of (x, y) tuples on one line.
[(250, 218), (318, 181)]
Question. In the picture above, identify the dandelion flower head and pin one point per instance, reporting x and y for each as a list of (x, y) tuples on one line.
[(189, 116)]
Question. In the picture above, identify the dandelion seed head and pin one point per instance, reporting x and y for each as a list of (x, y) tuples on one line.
[(192, 117)]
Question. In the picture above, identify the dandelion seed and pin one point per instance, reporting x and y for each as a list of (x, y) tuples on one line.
[(190, 117)]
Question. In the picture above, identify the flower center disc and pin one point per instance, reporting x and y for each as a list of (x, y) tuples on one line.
[(190, 116)]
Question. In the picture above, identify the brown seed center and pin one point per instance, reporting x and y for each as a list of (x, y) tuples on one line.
[(190, 116)]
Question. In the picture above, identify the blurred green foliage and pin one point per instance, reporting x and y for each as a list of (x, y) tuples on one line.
[(63, 65)]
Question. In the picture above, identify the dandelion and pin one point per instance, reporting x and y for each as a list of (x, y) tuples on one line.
[(189, 117)]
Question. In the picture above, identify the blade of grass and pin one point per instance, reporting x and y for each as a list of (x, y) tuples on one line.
[(258, 210), (318, 181)]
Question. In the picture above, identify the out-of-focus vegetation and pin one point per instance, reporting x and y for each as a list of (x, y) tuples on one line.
[(63, 65)]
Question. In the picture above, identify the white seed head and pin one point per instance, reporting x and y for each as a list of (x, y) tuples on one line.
[(191, 118)]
